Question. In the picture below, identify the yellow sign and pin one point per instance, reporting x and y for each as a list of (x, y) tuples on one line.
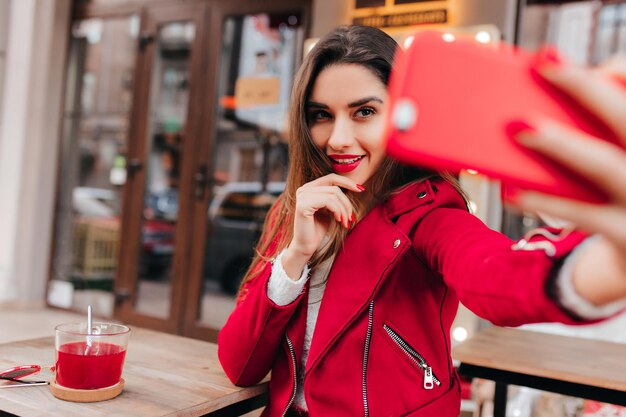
[(426, 17), (397, 14), (256, 91)]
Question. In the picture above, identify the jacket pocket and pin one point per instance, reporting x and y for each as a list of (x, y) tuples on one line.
[(430, 379), (447, 404)]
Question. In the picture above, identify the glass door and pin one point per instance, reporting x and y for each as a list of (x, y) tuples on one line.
[(156, 222), (173, 150), (94, 147), (245, 157)]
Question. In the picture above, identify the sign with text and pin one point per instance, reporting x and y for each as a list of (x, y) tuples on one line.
[(360, 4), (425, 17), (257, 91)]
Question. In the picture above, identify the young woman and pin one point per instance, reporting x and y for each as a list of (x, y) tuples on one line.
[(362, 263)]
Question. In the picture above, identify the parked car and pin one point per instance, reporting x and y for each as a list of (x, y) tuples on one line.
[(95, 202), (157, 232), (236, 217)]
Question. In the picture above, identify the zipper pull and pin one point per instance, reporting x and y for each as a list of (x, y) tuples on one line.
[(428, 378)]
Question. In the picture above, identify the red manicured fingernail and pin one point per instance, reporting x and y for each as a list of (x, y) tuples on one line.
[(514, 128), (360, 187), (619, 80), (548, 56), (352, 218)]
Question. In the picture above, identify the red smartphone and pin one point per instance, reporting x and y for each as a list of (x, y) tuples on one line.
[(451, 103), (18, 372)]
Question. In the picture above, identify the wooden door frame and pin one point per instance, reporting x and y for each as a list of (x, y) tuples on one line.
[(200, 122), (133, 201), (217, 13)]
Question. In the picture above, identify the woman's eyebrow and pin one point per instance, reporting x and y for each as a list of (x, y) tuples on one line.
[(364, 101), (360, 102), (315, 105)]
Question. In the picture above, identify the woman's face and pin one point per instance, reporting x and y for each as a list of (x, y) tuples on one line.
[(346, 115)]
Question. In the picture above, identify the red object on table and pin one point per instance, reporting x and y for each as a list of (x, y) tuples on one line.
[(97, 366)]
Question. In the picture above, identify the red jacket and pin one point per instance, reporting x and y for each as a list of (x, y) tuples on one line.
[(384, 322)]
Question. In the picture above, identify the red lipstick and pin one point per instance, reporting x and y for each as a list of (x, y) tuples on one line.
[(343, 163)]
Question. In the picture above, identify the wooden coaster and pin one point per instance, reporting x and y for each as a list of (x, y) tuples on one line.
[(86, 395)]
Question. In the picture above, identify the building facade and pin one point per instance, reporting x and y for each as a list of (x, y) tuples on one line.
[(141, 142)]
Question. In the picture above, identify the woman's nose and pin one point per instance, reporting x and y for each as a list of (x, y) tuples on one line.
[(342, 135)]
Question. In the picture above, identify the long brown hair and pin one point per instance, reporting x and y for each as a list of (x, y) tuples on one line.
[(361, 45)]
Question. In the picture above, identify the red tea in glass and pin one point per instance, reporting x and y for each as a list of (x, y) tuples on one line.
[(81, 366), (90, 361)]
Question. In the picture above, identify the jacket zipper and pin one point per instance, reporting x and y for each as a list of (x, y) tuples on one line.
[(295, 375), (429, 377), (366, 352)]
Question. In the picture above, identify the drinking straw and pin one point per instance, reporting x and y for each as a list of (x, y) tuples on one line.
[(89, 330)]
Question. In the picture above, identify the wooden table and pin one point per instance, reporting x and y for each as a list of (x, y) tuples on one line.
[(165, 375), (572, 366)]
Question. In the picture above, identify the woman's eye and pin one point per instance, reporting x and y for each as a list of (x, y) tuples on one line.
[(365, 112), (318, 115)]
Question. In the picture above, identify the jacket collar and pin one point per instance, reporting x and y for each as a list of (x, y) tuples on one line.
[(360, 268), (409, 197)]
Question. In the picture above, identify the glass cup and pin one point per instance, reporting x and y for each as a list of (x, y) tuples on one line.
[(90, 361)]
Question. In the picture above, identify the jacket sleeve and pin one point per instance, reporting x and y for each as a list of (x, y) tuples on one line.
[(505, 282), (253, 334)]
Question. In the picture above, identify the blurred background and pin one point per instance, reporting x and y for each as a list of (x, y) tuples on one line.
[(142, 141)]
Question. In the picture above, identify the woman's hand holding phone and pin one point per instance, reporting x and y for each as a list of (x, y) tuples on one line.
[(531, 121), (600, 272)]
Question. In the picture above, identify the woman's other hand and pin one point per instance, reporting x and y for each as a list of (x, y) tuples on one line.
[(317, 204)]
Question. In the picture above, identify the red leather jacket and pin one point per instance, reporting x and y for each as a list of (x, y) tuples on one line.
[(381, 345)]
